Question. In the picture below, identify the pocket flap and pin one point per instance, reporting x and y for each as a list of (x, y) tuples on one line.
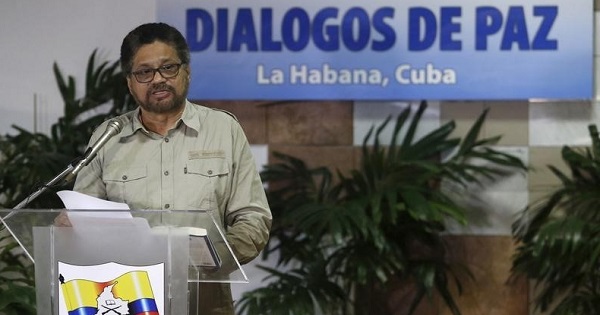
[(126, 175), (208, 167)]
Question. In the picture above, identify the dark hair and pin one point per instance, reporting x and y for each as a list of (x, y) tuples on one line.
[(148, 34)]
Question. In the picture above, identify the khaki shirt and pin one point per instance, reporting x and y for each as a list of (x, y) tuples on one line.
[(203, 163)]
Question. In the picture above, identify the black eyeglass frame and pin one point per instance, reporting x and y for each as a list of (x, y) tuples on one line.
[(160, 70)]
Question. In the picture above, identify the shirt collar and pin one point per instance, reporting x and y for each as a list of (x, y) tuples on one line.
[(189, 118)]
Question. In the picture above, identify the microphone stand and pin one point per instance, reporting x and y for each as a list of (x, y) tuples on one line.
[(54, 181), (113, 128)]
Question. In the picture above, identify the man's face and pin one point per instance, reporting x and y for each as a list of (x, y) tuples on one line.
[(161, 95)]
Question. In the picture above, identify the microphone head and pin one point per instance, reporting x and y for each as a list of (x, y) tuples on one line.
[(116, 124)]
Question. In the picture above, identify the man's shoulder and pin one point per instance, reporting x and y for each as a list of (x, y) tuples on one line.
[(122, 120), (226, 112), (214, 112)]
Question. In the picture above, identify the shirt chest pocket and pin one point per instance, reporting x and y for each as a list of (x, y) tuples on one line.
[(128, 185), (207, 167), (206, 183)]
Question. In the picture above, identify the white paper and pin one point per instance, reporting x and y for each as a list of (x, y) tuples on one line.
[(77, 201)]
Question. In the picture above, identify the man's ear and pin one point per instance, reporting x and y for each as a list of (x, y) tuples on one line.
[(188, 70), (128, 78)]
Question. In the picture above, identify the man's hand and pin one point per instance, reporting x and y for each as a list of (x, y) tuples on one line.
[(62, 220)]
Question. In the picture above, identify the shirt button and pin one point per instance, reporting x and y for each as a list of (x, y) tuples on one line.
[(166, 173), (124, 177), (166, 139), (167, 206), (209, 172)]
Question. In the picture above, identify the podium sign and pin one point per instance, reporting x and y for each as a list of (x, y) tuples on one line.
[(122, 261)]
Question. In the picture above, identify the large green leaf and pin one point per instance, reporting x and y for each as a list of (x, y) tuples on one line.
[(376, 223), (559, 236), (30, 159)]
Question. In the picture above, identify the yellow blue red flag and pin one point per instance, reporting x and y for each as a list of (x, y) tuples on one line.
[(131, 293)]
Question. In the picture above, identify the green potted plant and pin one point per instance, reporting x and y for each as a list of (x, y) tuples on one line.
[(344, 240), (17, 294), (29, 159), (558, 236)]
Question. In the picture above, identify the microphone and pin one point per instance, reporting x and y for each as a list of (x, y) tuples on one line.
[(113, 128)]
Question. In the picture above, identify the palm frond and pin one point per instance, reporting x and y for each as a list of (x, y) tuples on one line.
[(559, 236), (380, 221)]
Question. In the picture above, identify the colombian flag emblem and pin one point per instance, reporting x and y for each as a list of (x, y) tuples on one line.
[(128, 294)]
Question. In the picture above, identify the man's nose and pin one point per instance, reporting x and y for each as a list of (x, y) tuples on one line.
[(158, 77)]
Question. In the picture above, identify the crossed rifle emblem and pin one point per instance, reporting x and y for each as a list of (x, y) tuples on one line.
[(111, 308)]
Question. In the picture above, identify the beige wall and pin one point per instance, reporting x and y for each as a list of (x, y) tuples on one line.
[(324, 134)]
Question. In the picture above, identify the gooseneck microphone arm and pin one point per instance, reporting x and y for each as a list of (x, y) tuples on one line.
[(68, 174), (114, 127), (55, 181)]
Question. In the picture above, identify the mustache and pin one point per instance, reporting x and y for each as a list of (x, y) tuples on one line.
[(161, 87)]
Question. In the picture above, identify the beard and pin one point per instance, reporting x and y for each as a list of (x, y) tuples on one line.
[(170, 105)]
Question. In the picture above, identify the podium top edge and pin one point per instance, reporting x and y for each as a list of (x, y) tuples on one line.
[(108, 210)]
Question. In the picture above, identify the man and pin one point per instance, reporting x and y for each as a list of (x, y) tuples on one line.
[(172, 154)]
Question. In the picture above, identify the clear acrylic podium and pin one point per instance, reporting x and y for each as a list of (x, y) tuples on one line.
[(146, 259)]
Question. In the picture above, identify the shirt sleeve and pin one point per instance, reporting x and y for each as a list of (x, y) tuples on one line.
[(89, 180), (247, 214)]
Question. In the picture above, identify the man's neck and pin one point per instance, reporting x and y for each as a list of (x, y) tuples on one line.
[(160, 123)]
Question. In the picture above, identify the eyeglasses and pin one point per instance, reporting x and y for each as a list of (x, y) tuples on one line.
[(166, 71)]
